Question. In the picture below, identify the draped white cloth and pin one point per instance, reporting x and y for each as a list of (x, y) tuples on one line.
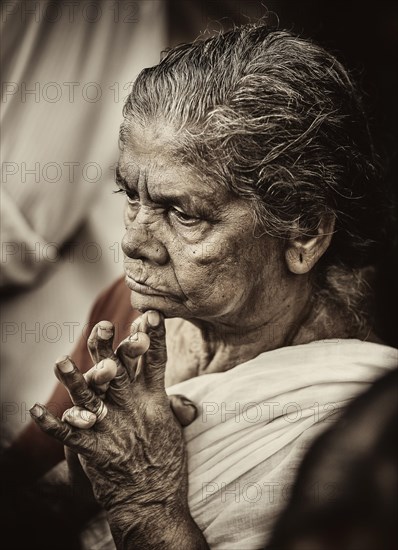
[(254, 424), (67, 68)]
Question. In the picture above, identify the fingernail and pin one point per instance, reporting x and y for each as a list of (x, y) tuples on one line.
[(133, 337), (100, 365), (64, 364), (105, 332), (187, 402), (153, 318), (87, 416), (37, 411)]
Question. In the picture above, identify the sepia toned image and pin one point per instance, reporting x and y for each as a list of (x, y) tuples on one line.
[(198, 275)]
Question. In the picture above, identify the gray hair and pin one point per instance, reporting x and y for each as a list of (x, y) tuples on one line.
[(277, 120)]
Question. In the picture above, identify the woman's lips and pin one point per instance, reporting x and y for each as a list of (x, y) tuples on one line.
[(143, 288)]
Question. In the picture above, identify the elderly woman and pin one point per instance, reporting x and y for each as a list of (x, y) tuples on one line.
[(252, 210)]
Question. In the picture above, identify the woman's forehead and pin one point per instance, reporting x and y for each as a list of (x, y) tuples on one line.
[(150, 156), (144, 146), (153, 136), (164, 177)]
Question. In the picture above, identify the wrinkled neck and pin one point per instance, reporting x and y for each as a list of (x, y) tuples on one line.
[(197, 347)]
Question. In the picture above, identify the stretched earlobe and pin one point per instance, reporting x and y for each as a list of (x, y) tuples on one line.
[(302, 254), (296, 261)]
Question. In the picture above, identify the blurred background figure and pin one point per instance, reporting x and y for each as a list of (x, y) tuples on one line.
[(67, 68)]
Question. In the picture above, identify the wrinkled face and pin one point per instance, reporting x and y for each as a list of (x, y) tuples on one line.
[(190, 246)]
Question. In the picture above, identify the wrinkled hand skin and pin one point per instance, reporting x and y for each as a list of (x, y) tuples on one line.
[(134, 457), (100, 347)]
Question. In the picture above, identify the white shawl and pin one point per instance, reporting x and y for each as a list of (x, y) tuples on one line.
[(254, 424)]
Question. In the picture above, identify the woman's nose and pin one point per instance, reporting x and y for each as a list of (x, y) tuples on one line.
[(139, 243)]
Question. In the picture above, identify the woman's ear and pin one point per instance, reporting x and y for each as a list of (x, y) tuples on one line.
[(302, 254)]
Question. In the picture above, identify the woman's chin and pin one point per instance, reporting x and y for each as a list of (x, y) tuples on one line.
[(163, 303)]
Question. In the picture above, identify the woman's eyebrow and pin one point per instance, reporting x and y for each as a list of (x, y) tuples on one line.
[(186, 201), (168, 197)]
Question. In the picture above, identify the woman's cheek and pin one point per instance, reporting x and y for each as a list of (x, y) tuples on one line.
[(214, 250), (196, 267), (211, 263)]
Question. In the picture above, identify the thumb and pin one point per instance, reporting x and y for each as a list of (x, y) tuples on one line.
[(156, 356), (183, 409), (80, 484)]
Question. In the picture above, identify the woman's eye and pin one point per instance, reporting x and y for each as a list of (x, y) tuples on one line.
[(132, 197), (183, 218)]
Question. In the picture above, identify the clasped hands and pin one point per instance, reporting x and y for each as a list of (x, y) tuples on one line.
[(127, 433)]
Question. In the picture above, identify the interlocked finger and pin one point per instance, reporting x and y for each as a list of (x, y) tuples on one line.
[(77, 440), (79, 418), (79, 391), (129, 351), (139, 325), (156, 356), (100, 375), (100, 341)]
